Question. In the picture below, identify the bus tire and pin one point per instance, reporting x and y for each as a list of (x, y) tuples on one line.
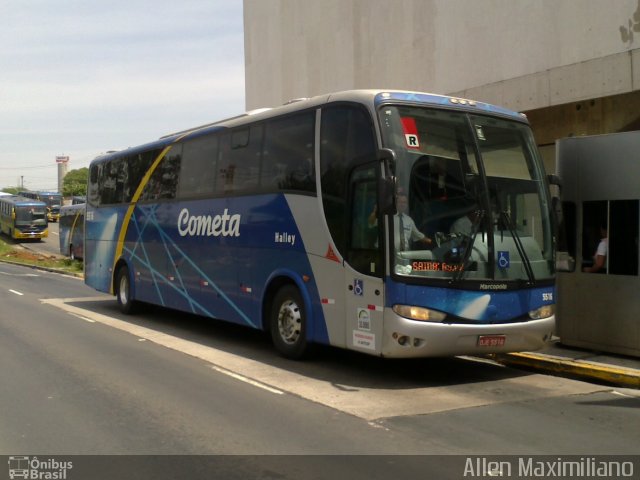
[(123, 292), (288, 323)]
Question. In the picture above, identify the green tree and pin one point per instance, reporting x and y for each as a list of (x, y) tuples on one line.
[(75, 182), (11, 190)]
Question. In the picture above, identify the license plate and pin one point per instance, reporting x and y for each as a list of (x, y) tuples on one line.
[(491, 340)]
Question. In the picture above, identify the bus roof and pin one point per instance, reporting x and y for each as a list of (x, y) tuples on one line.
[(19, 201), (372, 98), (446, 101)]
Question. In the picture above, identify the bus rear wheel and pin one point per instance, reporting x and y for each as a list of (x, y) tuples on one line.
[(288, 323), (123, 292)]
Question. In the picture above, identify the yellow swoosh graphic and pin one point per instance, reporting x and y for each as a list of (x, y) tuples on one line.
[(132, 206)]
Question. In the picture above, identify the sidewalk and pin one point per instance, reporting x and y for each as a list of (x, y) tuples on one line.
[(557, 359)]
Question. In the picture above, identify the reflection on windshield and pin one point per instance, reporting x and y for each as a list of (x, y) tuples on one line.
[(30, 216), (476, 201)]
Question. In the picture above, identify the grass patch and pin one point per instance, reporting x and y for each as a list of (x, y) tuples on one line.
[(15, 253)]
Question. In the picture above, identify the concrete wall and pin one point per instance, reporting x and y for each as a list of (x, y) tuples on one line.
[(523, 54)]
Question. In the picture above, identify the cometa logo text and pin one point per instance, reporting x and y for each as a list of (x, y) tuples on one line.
[(208, 225)]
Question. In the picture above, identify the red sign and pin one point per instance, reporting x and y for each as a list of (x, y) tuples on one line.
[(410, 132)]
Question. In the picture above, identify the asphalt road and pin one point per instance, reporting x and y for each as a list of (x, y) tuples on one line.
[(79, 378)]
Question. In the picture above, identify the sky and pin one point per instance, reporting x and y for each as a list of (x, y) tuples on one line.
[(80, 78)]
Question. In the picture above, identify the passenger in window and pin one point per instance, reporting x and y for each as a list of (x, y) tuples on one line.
[(600, 257)]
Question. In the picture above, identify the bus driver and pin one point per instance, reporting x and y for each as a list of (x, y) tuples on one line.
[(405, 230)]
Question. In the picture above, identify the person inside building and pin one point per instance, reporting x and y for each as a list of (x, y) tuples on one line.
[(600, 256)]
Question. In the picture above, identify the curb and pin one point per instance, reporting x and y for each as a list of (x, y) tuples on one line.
[(46, 269), (619, 376)]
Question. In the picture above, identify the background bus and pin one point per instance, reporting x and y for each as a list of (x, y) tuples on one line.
[(23, 218), (53, 200), (71, 230), (285, 220)]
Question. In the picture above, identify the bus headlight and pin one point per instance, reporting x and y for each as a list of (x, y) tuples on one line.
[(543, 312), (419, 313)]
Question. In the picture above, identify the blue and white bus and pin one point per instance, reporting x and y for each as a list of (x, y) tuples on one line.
[(71, 230), (287, 220), (23, 218)]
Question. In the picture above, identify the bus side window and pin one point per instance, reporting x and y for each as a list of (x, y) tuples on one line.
[(224, 167), (164, 179), (246, 146), (238, 168), (198, 170), (92, 188), (110, 182), (288, 154), (136, 166)]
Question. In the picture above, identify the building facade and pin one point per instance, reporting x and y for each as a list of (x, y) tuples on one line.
[(572, 65)]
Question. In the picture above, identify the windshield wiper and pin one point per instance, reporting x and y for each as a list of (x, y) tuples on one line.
[(479, 215), (519, 246)]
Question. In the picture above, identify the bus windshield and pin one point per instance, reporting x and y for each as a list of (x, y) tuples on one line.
[(52, 200), (30, 215), (472, 199)]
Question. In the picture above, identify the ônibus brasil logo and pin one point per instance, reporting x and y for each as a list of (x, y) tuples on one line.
[(38, 469)]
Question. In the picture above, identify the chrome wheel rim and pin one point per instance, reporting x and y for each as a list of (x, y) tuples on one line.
[(289, 322), (123, 290)]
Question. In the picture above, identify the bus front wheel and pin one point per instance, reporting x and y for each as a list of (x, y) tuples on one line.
[(123, 292), (288, 323)]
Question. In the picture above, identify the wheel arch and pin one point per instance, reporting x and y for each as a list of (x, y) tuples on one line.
[(275, 282)]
